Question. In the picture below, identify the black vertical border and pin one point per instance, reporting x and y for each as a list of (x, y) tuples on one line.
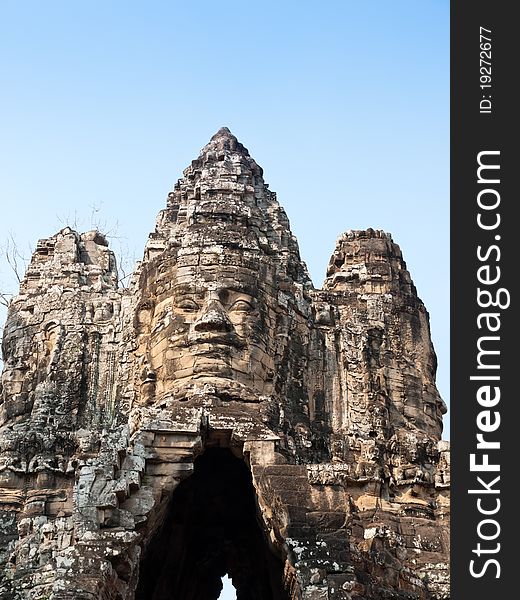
[(471, 133)]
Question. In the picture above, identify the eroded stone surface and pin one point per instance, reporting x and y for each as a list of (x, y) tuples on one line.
[(109, 396)]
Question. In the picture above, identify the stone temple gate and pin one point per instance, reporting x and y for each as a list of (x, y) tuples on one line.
[(221, 415)]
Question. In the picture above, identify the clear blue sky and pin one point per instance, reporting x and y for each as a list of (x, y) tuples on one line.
[(345, 104)]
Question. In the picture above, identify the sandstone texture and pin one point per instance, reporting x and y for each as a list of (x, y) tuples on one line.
[(221, 415)]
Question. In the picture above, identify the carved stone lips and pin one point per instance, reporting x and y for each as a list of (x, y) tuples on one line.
[(226, 339)]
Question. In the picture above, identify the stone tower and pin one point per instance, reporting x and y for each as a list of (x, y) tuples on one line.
[(221, 415)]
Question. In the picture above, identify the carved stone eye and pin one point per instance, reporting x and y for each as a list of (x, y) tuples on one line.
[(241, 306), (187, 304)]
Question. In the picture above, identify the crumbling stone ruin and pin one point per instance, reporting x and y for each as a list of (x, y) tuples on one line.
[(221, 415)]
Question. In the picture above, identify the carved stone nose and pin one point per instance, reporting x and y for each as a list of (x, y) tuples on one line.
[(213, 318)]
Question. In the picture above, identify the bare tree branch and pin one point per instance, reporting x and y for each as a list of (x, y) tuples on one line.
[(14, 258), (5, 298), (125, 261), (16, 264)]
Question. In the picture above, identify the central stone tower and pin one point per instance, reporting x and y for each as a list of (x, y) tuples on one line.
[(221, 415)]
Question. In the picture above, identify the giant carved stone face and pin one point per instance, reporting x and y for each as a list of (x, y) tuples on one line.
[(215, 326)]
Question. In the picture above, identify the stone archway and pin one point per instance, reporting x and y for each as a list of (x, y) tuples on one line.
[(212, 528)]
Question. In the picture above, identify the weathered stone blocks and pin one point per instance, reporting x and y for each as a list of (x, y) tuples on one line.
[(221, 415)]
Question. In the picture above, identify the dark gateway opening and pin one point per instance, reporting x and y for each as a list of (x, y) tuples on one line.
[(212, 529)]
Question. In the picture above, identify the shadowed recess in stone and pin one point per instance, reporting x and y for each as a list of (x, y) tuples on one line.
[(212, 528)]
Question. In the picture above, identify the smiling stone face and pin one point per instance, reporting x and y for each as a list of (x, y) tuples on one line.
[(208, 309), (215, 326)]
